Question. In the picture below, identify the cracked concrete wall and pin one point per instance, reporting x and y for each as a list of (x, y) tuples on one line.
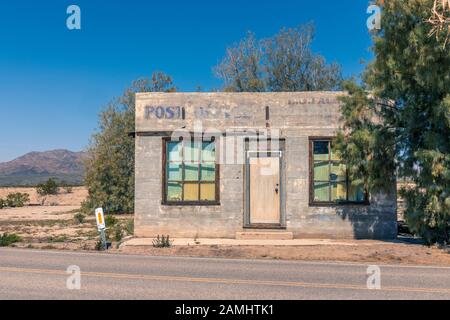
[(297, 116)]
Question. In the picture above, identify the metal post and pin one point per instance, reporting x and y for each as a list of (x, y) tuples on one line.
[(103, 238)]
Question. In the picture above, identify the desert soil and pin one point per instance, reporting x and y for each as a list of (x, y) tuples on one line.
[(52, 226), (63, 198), (376, 252)]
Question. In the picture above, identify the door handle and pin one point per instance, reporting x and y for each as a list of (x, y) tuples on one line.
[(276, 190)]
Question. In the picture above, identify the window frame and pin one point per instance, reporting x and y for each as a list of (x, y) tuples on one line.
[(312, 202), (165, 182)]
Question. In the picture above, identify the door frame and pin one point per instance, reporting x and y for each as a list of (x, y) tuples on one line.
[(281, 155)]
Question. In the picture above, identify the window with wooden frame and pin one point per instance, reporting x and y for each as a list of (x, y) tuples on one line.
[(191, 173), (329, 182)]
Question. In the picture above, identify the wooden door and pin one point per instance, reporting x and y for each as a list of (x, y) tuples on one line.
[(265, 190)]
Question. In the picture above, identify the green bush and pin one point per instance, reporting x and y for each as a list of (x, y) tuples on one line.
[(129, 227), (17, 200), (109, 175), (2, 203), (48, 188), (99, 246), (110, 221), (118, 233), (9, 239), (162, 242), (79, 218)]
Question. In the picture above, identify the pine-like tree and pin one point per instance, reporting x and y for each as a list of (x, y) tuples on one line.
[(398, 120)]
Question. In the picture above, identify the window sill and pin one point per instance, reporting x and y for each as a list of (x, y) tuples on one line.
[(191, 204), (266, 226), (339, 204)]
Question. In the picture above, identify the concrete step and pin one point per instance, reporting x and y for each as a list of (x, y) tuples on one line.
[(264, 235)]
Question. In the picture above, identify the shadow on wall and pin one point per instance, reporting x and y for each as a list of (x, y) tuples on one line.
[(375, 221)]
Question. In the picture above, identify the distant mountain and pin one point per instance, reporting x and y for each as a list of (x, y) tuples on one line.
[(36, 167)]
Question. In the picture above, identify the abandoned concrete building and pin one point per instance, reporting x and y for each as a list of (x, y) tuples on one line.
[(249, 166)]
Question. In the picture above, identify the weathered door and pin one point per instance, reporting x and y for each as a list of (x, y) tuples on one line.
[(264, 190)]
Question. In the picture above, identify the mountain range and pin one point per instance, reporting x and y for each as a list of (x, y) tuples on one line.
[(37, 167)]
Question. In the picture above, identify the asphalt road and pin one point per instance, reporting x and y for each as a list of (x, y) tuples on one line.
[(33, 274)]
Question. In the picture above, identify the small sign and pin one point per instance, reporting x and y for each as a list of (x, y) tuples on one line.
[(100, 217)]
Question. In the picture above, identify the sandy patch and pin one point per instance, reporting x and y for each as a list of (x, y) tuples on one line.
[(74, 198), (38, 213), (377, 252)]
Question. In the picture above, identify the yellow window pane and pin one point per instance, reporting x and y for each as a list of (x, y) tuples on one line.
[(321, 171), (207, 192), (191, 192)]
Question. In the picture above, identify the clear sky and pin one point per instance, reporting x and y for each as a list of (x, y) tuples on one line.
[(53, 82)]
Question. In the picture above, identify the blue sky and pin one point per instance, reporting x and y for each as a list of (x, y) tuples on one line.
[(53, 82)]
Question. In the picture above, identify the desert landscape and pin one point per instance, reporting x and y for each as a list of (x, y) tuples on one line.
[(52, 222)]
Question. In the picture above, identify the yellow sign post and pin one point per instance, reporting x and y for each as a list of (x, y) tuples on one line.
[(101, 226)]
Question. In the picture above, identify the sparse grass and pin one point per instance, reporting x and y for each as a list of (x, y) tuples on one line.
[(9, 239), (79, 218), (58, 239)]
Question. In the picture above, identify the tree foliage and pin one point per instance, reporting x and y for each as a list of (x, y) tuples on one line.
[(284, 62), (398, 120), (109, 167)]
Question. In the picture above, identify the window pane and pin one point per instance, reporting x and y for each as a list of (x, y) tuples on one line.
[(356, 192), (208, 172), (321, 171), (338, 172), (191, 171), (192, 151), (321, 192), (209, 152), (174, 172), (174, 151), (190, 192), (208, 192), (174, 192), (321, 150), (338, 192)]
